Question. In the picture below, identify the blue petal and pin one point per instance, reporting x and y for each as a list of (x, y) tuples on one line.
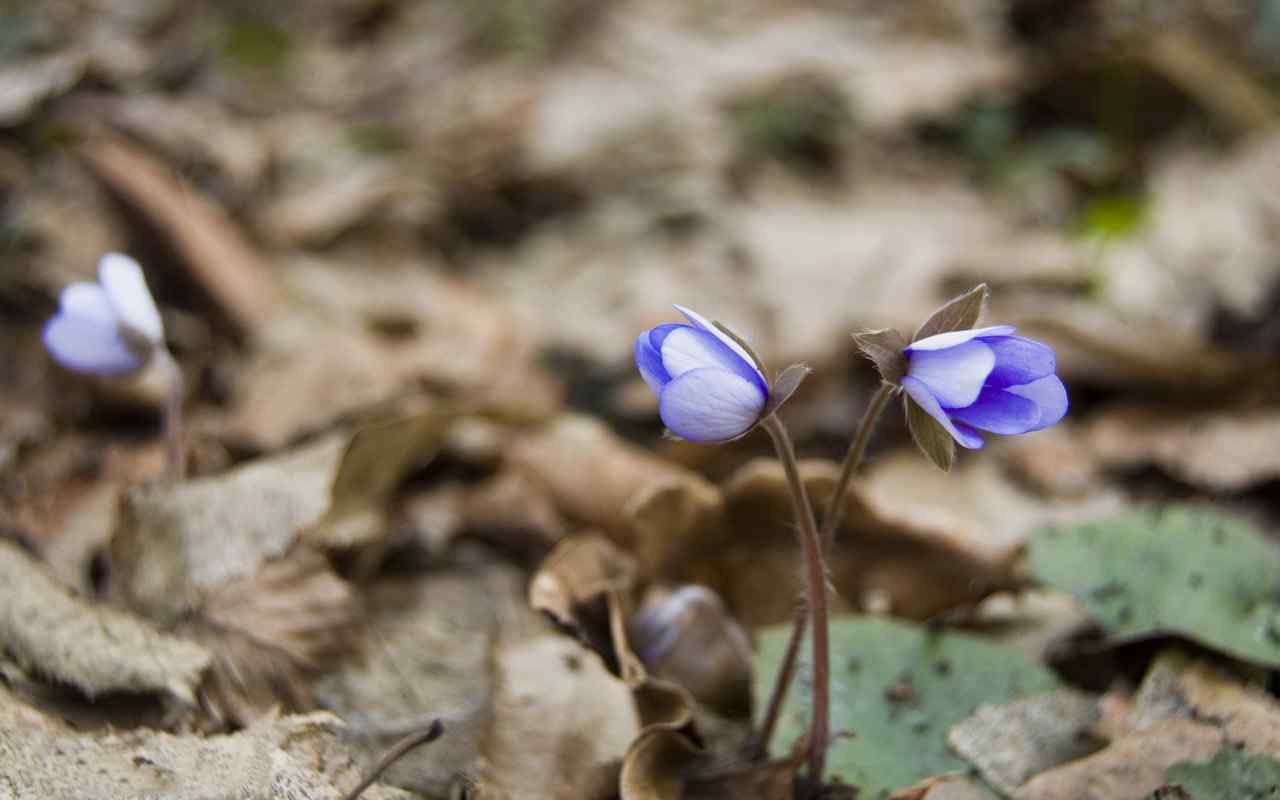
[(1019, 360), (659, 334), (954, 375), (649, 362), (942, 341), (1049, 395), (920, 394), (707, 325), (998, 411), (710, 405), (687, 348), (88, 301), (86, 344)]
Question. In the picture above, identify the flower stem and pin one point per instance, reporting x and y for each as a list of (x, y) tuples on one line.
[(816, 587), (852, 460), (175, 446)]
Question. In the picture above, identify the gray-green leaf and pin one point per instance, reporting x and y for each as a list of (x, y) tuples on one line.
[(929, 435), (960, 314)]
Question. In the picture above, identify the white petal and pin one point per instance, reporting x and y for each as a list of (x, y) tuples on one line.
[(710, 327), (954, 375), (88, 302), (710, 405), (126, 287), (687, 348), (953, 338)]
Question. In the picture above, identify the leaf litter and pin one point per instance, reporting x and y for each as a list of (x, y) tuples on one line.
[(380, 231)]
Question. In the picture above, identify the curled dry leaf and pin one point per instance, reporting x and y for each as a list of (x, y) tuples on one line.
[(57, 635), (559, 453), (740, 537), (270, 632), (293, 758)]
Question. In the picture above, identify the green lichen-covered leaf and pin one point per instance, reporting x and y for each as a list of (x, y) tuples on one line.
[(898, 688), (1178, 570), (1229, 775)]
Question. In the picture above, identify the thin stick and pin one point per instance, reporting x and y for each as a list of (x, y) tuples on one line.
[(831, 520), (816, 585), (417, 739), (175, 447)]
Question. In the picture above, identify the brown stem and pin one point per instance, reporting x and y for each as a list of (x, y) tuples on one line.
[(800, 623), (816, 588), (417, 739), (175, 447)]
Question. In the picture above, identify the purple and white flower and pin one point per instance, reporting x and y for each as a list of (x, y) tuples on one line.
[(108, 328), (709, 387), (985, 380)]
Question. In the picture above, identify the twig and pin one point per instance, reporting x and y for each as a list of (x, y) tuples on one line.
[(430, 734)]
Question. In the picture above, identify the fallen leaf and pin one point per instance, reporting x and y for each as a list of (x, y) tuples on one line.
[(1012, 743), (220, 257), (1221, 449), (1229, 775), (1130, 767), (293, 758), (1176, 570), (59, 636), (31, 81), (898, 688)]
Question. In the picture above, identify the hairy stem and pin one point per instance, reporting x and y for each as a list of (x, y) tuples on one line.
[(175, 446), (800, 622), (429, 734), (816, 587)]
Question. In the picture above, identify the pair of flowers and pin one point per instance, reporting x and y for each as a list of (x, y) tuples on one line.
[(966, 381)]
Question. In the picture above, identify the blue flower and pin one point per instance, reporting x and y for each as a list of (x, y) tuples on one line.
[(709, 387), (985, 380), (109, 328)]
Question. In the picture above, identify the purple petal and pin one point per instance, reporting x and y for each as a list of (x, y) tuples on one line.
[(1019, 360), (954, 375), (998, 411), (707, 325), (942, 341), (710, 405), (1049, 395), (963, 434), (649, 362), (86, 344), (687, 348), (126, 288)]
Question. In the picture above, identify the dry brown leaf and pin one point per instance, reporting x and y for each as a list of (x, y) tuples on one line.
[(1219, 449), (1011, 743), (1179, 687), (294, 758), (515, 511), (944, 787), (57, 635), (270, 633), (220, 257), (561, 724), (29, 82), (1130, 767), (177, 545), (564, 450), (426, 652)]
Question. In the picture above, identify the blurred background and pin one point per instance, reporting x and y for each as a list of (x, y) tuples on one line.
[(347, 209)]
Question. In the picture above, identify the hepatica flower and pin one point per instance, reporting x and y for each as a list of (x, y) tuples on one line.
[(107, 328), (984, 380), (960, 382), (710, 387)]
